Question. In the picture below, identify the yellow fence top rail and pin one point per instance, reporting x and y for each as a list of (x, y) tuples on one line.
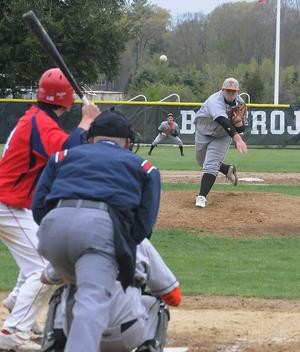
[(152, 103)]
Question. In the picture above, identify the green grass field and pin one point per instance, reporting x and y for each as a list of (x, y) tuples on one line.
[(259, 160), (265, 268), (210, 265)]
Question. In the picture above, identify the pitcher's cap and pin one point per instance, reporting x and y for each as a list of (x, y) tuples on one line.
[(231, 84)]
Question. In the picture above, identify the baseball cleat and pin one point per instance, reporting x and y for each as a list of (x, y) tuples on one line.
[(200, 202), (9, 303), (17, 341), (231, 175)]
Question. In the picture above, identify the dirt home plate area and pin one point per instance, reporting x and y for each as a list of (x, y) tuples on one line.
[(231, 324)]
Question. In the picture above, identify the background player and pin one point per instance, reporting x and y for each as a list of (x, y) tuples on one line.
[(36, 136), (213, 136), (168, 129)]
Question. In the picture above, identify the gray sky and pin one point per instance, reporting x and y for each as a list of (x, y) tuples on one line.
[(183, 6)]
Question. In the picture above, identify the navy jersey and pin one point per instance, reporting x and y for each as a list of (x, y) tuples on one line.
[(104, 172)]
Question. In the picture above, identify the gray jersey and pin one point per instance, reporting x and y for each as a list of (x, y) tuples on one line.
[(151, 269), (215, 106), (168, 129)]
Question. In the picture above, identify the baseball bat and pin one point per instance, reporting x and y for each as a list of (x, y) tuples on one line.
[(47, 43)]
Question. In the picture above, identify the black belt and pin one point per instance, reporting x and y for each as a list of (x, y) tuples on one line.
[(127, 325), (81, 203)]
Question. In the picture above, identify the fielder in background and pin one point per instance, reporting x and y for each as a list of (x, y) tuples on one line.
[(95, 203), (136, 319), (36, 136), (219, 121), (168, 129)]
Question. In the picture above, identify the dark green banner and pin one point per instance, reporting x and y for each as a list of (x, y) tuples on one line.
[(265, 125)]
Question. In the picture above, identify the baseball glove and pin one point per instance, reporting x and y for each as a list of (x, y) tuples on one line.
[(237, 115), (174, 134)]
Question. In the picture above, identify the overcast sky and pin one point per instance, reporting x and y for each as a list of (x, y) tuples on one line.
[(183, 6)]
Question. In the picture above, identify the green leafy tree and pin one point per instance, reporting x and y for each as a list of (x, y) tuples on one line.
[(290, 84), (157, 80), (147, 23), (90, 35), (187, 42), (254, 86)]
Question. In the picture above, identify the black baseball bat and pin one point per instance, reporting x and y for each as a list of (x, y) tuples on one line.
[(47, 43)]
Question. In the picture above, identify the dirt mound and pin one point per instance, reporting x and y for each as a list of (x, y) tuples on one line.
[(231, 324), (245, 177), (255, 214)]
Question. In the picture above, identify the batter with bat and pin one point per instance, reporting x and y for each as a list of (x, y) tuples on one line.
[(36, 136), (219, 121), (168, 129)]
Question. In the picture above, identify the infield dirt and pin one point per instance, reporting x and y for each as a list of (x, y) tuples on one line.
[(231, 324)]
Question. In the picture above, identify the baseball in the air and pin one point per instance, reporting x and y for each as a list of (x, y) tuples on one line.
[(163, 58)]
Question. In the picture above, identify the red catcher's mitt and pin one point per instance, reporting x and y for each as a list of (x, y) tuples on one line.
[(237, 115)]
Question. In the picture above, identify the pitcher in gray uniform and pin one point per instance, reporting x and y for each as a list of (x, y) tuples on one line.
[(168, 129), (213, 136)]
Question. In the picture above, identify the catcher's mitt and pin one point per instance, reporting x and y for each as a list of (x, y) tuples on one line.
[(237, 115)]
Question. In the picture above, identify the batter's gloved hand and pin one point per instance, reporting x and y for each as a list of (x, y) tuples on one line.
[(237, 115)]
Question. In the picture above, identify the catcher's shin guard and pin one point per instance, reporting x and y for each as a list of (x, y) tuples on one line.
[(158, 343), (53, 339)]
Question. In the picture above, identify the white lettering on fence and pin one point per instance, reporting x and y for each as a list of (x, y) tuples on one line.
[(259, 122), (277, 122), (296, 130), (187, 121)]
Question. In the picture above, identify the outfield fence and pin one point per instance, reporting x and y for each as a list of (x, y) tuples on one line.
[(266, 124)]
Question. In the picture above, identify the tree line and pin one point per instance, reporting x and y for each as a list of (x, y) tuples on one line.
[(122, 41)]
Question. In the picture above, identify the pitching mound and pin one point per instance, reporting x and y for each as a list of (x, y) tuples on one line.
[(231, 324), (255, 214)]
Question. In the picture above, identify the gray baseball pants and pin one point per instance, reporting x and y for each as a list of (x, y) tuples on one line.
[(79, 244), (211, 152), (116, 338), (159, 138)]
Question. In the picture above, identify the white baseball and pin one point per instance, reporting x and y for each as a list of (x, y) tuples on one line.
[(163, 58)]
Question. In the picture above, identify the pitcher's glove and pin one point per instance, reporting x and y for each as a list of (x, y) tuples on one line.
[(237, 115), (174, 134)]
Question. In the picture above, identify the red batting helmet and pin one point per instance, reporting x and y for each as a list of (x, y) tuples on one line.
[(55, 89)]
